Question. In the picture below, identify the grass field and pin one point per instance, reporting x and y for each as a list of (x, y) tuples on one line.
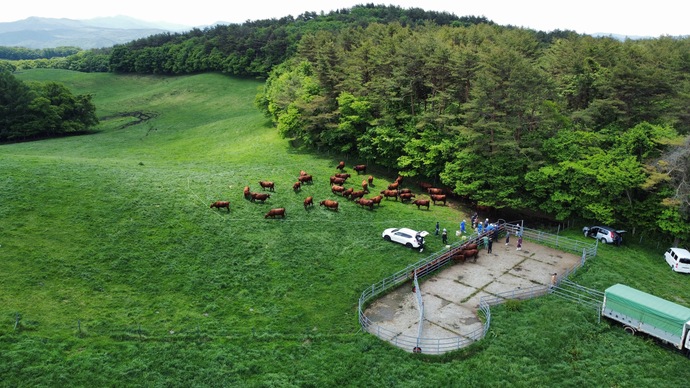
[(115, 271)]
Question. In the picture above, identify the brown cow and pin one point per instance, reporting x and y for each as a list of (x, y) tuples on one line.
[(302, 173), (370, 180), (425, 185), (306, 178), (357, 194), (470, 246), (260, 196), (422, 202), (341, 166), (377, 199), (330, 204), (365, 186), (399, 179), (267, 185), (403, 191), (438, 198), (297, 186), (273, 213), (337, 181), (343, 175), (393, 186), (309, 201), (434, 190), (360, 168), (337, 189), (246, 192), (365, 202), (467, 253), (390, 194), (347, 193), (220, 204), (406, 196)]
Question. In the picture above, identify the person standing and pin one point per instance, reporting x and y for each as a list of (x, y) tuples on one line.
[(507, 237), (437, 227), (489, 245), (444, 236), (462, 227), (519, 243), (479, 228)]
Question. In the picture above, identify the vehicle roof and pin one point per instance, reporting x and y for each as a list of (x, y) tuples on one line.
[(608, 228), (681, 251)]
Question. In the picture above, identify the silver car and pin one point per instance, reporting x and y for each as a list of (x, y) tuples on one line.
[(604, 234)]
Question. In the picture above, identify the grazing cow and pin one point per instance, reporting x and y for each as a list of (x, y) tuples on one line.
[(406, 196), (267, 185), (343, 175), (422, 202), (341, 166), (337, 181), (360, 168), (260, 197), (306, 178), (467, 253), (309, 201), (297, 186), (370, 180), (247, 193), (365, 186), (330, 204), (337, 189), (439, 198), (404, 191), (434, 190), (365, 202), (357, 194), (348, 192), (377, 199), (273, 213), (393, 186), (220, 204), (390, 194)]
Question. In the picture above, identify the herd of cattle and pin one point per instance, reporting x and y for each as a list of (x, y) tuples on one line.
[(337, 182)]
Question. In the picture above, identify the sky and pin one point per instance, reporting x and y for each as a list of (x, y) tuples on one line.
[(631, 17)]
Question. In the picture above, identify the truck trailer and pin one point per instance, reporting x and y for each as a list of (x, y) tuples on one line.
[(649, 314)]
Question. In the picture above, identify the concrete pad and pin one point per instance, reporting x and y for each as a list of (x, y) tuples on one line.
[(451, 297)]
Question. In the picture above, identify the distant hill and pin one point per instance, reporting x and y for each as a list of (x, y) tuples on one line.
[(39, 33)]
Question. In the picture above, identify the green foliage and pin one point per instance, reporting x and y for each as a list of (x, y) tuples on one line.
[(496, 115), (39, 110)]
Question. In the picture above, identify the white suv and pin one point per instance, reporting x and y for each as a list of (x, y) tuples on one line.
[(604, 234), (678, 259), (405, 236)]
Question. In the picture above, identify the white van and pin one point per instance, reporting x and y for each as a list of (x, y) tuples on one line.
[(678, 259)]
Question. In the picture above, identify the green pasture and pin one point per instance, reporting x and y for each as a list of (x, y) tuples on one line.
[(115, 271)]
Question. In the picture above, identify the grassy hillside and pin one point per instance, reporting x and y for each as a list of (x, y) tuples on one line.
[(115, 271)]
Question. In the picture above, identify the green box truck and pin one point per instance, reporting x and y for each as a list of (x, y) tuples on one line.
[(646, 313)]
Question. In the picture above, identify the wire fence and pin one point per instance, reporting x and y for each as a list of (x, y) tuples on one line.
[(437, 261)]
